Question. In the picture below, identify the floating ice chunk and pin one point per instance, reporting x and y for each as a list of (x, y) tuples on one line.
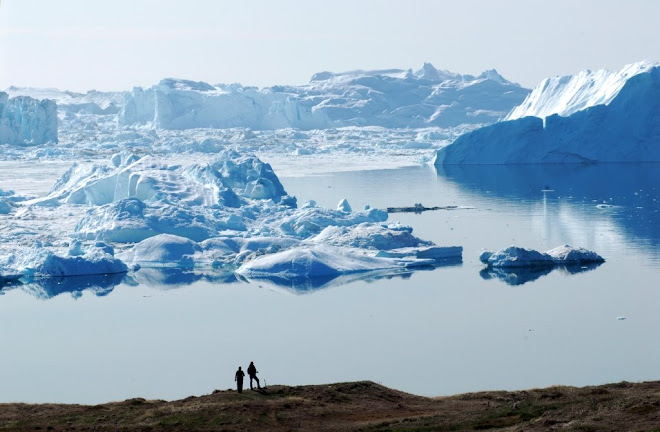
[(97, 259), (320, 261), (569, 255), (519, 257), (621, 318), (90, 259), (309, 204), (485, 255), (516, 257), (344, 206)]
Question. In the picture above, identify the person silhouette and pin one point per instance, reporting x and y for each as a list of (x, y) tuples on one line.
[(239, 379), (252, 372)]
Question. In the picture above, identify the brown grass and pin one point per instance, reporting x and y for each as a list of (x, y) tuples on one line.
[(363, 406)]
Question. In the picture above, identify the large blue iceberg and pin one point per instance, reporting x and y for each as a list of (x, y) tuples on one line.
[(593, 117)]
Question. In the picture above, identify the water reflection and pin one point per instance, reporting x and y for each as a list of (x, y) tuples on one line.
[(172, 277), (603, 197), (47, 288), (521, 275), (168, 278), (306, 284)]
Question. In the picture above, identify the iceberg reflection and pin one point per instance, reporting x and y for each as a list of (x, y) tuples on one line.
[(572, 198), (309, 284), (522, 275), (49, 287)]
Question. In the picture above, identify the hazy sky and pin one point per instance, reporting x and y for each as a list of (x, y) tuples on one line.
[(117, 44)]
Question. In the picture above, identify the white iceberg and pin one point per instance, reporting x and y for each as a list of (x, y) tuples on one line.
[(392, 98), (322, 261), (38, 261), (228, 215), (514, 256), (27, 121)]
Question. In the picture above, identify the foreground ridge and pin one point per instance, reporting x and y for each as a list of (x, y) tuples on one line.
[(360, 405)]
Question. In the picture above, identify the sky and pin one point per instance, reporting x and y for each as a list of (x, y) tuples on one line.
[(115, 45)]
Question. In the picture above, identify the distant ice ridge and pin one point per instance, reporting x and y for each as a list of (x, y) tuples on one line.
[(229, 215), (610, 117), (27, 121), (390, 98), (568, 94), (68, 102)]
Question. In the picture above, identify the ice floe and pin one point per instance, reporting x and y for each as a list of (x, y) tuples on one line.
[(514, 256), (516, 265)]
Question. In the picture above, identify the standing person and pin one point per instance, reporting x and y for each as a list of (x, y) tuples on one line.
[(239, 379), (252, 371)]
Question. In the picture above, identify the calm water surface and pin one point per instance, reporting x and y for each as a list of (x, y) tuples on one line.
[(453, 329)]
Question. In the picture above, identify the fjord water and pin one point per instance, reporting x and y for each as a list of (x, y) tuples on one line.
[(454, 329)]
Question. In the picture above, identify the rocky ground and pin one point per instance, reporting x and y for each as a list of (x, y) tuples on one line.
[(364, 406)]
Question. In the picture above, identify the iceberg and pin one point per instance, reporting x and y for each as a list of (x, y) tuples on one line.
[(322, 261), (514, 256), (569, 94), (392, 98), (516, 266), (593, 117), (38, 261), (177, 222), (25, 121)]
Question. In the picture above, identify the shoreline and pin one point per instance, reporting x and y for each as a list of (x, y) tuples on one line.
[(361, 405)]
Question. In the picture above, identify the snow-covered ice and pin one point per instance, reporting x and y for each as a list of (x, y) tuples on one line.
[(514, 256), (566, 95), (592, 117), (516, 266), (390, 98), (229, 214)]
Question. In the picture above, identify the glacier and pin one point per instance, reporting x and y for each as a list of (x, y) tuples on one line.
[(592, 117), (25, 121)]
